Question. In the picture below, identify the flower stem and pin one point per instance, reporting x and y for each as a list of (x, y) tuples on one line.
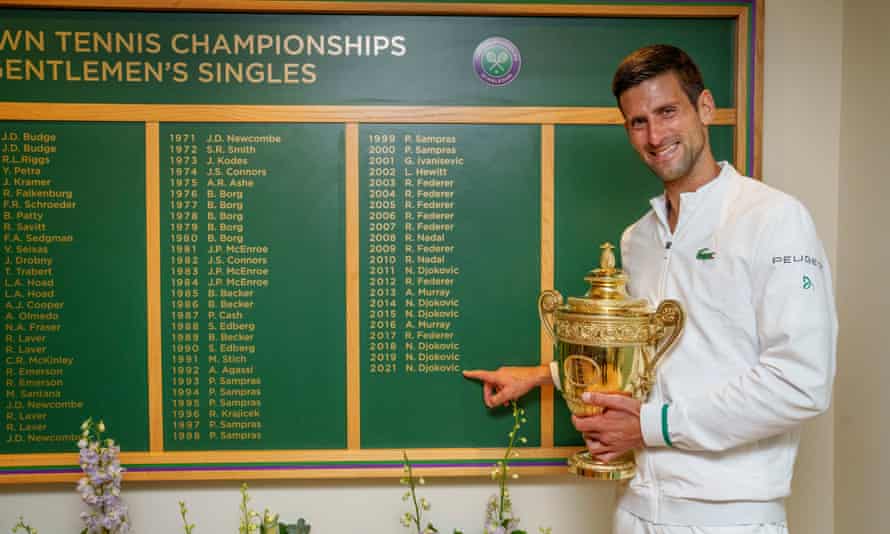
[(417, 511), (505, 462), (245, 512)]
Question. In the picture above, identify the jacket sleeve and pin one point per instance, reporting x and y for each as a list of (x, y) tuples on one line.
[(796, 326)]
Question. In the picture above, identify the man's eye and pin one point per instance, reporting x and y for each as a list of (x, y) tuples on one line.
[(637, 123), (669, 112)]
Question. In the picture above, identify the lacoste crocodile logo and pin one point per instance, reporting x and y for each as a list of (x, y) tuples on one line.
[(705, 254)]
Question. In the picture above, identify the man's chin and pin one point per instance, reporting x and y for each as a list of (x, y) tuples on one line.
[(666, 174)]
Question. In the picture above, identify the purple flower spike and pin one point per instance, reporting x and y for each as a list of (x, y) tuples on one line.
[(100, 488)]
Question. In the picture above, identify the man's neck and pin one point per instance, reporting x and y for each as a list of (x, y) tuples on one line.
[(687, 184)]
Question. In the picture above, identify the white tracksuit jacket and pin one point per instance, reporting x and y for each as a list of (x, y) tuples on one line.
[(757, 356)]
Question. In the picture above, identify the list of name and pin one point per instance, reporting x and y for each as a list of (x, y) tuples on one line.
[(34, 374), (414, 271), (215, 276)]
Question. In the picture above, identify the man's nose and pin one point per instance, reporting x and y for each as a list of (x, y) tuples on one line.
[(657, 133)]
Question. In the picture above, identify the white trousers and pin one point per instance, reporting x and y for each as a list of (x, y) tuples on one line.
[(625, 522)]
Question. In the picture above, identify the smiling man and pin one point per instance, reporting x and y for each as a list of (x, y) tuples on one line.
[(717, 438)]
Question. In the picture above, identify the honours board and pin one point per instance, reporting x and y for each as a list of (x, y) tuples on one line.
[(440, 267), (74, 328), (250, 269), (252, 290)]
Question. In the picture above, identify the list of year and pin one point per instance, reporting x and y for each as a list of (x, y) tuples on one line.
[(449, 266), (241, 242), (72, 200)]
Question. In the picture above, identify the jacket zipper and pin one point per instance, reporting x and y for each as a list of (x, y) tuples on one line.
[(664, 270), (656, 479)]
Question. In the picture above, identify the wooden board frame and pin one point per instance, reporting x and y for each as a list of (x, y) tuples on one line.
[(354, 462)]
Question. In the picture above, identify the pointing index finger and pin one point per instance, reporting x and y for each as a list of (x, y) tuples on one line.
[(477, 374)]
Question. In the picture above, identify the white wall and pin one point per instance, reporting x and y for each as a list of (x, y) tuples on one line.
[(802, 144), (568, 505), (802, 97), (862, 404)]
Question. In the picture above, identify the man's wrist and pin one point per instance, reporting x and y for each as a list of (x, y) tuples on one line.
[(655, 425), (552, 375), (541, 375)]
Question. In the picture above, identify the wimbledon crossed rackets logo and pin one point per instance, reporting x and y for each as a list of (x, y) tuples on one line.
[(497, 61)]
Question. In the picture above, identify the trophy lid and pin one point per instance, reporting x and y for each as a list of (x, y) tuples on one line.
[(607, 294)]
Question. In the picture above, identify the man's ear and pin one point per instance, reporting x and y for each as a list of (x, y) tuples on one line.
[(623, 116), (706, 107)]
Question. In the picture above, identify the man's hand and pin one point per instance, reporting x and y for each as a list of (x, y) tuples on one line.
[(615, 431), (509, 383)]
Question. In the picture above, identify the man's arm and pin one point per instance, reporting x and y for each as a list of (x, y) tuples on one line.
[(509, 383), (797, 332)]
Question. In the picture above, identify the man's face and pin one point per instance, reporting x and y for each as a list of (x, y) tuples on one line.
[(668, 132)]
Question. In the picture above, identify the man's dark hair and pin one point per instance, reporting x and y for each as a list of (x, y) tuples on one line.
[(651, 61)]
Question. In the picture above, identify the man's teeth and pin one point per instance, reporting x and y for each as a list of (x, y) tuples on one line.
[(664, 151)]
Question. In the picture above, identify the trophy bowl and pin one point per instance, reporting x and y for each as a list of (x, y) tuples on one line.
[(607, 342)]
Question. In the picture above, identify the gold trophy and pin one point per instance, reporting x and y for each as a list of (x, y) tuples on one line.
[(608, 343)]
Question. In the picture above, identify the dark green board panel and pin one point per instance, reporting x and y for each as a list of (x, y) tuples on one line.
[(601, 187), (253, 286), (450, 263), (74, 296), (420, 60)]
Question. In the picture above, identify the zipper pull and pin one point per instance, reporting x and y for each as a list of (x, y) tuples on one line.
[(667, 246)]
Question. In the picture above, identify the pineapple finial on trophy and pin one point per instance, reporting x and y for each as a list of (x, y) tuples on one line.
[(607, 257)]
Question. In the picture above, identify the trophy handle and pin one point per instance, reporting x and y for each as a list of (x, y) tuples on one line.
[(669, 320), (549, 301)]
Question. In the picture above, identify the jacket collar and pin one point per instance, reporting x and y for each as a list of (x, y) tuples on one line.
[(689, 202)]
